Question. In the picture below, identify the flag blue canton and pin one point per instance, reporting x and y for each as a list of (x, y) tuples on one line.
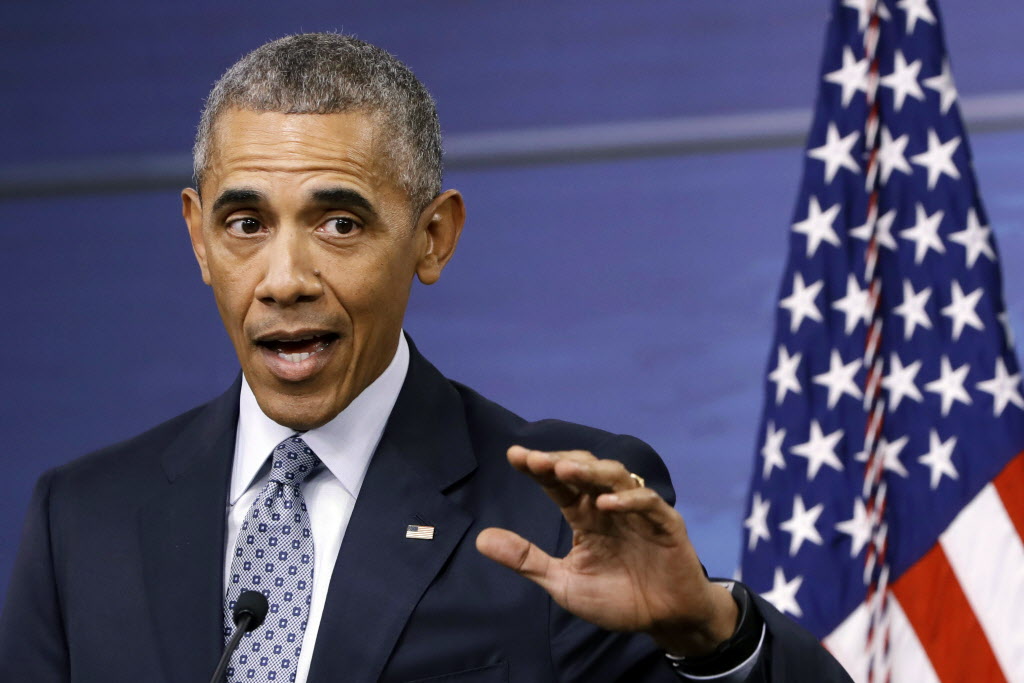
[(950, 381)]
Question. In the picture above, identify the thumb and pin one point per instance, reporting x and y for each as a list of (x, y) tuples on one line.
[(515, 552)]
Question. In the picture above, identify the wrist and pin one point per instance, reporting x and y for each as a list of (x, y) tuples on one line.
[(735, 652), (703, 637)]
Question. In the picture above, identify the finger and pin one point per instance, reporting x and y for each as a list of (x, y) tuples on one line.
[(515, 552), (644, 501), (595, 475), (657, 519), (531, 461), (540, 466)]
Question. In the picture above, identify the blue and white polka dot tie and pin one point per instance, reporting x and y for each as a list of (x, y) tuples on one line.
[(274, 555)]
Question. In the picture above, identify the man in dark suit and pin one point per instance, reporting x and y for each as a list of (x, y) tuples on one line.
[(369, 498)]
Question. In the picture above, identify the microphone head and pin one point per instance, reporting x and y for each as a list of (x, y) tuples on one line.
[(253, 604)]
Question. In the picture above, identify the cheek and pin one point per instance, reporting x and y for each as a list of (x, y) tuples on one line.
[(233, 288), (377, 290)]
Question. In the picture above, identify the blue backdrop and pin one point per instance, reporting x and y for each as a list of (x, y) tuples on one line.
[(636, 295)]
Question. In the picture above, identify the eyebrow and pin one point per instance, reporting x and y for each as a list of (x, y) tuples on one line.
[(236, 197), (342, 197)]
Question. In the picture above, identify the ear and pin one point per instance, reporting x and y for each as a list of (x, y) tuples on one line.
[(192, 211), (439, 226)]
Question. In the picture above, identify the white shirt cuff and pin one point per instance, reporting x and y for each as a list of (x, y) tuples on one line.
[(737, 674)]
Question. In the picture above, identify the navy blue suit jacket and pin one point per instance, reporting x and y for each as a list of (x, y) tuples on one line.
[(119, 574)]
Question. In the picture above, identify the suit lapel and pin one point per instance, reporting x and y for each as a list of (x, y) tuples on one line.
[(380, 574), (182, 541)]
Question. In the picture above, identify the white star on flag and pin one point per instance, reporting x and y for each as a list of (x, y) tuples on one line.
[(851, 77), (943, 84), (854, 305), (772, 450), (939, 458), (950, 385), (891, 155), (836, 152), (864, 9), (891, 455), (900, 381), (800, 303), (783, 594), (938, 158), (818, 226), (839, 378), (858, 528), (784, 374), (890, 452), (882, 230), (925, 233), (916, 9), (1003, 387), (819, 449), (974, 239), (903, 81), (961, 309), (912, 309), (757, 522), (801, 526)]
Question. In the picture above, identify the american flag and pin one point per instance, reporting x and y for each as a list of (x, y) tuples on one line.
[(420, 531), (886, 507)]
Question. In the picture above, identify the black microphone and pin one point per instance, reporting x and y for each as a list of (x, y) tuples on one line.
[(250, 611)]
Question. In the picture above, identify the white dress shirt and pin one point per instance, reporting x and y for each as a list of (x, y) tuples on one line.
[(344, 445)]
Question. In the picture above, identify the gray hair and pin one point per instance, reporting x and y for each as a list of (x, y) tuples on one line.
[(327, 73)]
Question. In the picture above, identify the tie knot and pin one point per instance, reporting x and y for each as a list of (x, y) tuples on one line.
[(293, 461)]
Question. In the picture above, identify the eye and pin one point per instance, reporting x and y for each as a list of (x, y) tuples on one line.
[(340, 225), (246, 225)]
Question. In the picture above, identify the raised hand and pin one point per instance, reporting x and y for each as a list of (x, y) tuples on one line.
[(632, 566)]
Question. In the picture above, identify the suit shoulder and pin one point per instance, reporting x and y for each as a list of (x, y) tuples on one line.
[(129, 455), (497, 422)]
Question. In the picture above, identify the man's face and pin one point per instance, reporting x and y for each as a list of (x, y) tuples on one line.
[(310, 246)]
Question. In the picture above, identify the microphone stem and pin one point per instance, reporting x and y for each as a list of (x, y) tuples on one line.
[(240, 630)]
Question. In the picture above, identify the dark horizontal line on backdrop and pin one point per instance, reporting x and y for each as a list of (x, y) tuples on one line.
[(556, 145)]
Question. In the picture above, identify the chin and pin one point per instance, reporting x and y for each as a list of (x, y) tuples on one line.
[(300, 414), (300, 423)]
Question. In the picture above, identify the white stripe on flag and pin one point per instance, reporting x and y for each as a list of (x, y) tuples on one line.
[(846, 644), (987, 556), (908, 660)]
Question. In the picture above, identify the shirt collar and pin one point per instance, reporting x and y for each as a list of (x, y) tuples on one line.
[(345, 444)]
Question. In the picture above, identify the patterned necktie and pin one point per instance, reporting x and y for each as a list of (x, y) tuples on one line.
[(274, 555)]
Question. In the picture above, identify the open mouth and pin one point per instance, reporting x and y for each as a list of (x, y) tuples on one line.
[(296, 349)]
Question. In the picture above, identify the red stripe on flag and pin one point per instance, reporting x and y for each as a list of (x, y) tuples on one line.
[(939, 613), (1010, 485)]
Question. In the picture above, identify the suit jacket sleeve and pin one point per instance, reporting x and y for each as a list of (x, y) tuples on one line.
[(33, 646), (791, 653), (581, 651)]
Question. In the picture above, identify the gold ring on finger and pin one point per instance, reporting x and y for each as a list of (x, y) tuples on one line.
[(638, 479)]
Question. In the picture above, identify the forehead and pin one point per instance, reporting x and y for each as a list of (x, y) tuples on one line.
[(251, 147)]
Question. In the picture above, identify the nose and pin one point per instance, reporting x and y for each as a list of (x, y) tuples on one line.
[(290, 275)]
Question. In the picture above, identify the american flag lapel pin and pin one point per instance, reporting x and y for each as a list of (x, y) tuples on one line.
[(421, 531)]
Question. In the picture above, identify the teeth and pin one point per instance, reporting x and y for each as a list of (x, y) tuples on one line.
[(299, 357)]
